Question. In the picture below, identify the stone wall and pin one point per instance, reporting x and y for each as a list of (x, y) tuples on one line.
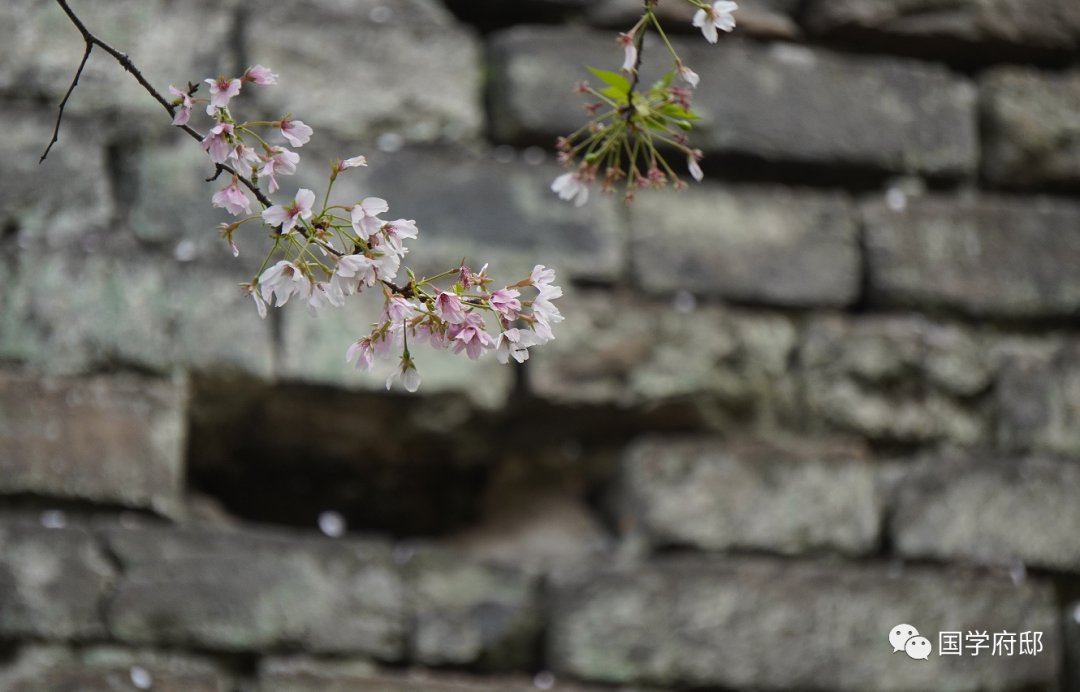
[(831, 389)]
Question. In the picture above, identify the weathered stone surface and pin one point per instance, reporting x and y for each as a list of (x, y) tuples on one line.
[(618, 348), (465, 611), (116, 439), (40, 50), (724, 623), (713, 495), (29, 204), (73, 312), (769, 19), (248, 591), (795, 104), (295, 674), (761, 245), (1042, 25), (995, 510), (987, 256), (405, 68), (1038, 393), (108, 669), (1031, 126), (900, 378), (52, 582)]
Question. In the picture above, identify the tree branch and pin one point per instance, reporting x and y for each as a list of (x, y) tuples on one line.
[(91, 40)]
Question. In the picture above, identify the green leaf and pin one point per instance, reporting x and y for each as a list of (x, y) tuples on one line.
[(677, 111), (664, 82), (613, 78), (615, 94)]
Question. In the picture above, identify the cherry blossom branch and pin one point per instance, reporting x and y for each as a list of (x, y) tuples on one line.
[(91, 40)]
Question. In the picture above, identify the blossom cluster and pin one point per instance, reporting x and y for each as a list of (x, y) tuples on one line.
[(622, 141), (329, 252)]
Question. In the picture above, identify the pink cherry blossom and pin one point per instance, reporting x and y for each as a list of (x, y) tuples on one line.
[(542, 307), (232, 198), (629, 52), (244, 159), (279, 161), (322, 295), (217, 142), (397, 309), (514, 343), (386, 261), (429, 330), (469, 336), (504, 301), (260, 75), (365, 216), (354, 162), (569, 186), (540, 277), (695, 169), (260, 304), (358, 268), (716, 17), (399, 231), (221, 90), (448, 308), (183, 112), (364, 354), (410, 376), (283, 280), (289, 216), (295, 131), (689, 76)]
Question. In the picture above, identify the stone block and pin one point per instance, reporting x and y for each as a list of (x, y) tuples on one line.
[(901, 378), (465, 611), (987, 256), (1012, 28), (995, 510), (713, 495), (1038, 393), (748, 244), (116, 439), (794, 104), (1031, 126), (369, 67), (175, 43), (29, 203), (766, 19), (53, 582), (297, 674), (71, 312), (109, 669), (250, 591), (617, 348), (723, 623)]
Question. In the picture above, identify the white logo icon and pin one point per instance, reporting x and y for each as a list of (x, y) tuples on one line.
[(899, 635), (918, 648), (906, 638)]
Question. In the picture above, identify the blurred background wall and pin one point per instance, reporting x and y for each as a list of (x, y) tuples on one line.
[(832, 389)]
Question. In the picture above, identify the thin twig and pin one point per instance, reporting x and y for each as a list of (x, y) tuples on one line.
[(91, 40)]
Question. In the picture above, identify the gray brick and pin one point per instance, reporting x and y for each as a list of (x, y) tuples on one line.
[(170, 42), (71, 312), (987, 256), (762, 245), (714, 495), (417, 74), (52, 582), (298, 674), (852, 370), (114, 439), (249, 591), (794, 104), (465, 611), (615, 347), (107, 669), (996, 25), (1031, 125), (1038, 393), (994, 510), (724, 623)]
